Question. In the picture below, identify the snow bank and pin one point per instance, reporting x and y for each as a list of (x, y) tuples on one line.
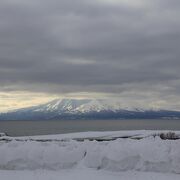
[(149, 154), (96, 135), (2, 134), (145, 155)]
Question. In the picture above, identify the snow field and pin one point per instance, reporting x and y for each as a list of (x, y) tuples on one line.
[(85, 174), (146, 155)]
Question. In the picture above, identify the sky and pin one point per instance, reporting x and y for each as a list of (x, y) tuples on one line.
[(122, 49)]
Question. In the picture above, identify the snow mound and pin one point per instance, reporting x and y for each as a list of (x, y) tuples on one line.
[(2, 134), (145, 155), (149, 154)]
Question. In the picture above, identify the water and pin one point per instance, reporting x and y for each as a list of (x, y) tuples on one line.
[(26, 128)]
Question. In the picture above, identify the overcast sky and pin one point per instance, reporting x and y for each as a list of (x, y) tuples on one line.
[(126, 49)]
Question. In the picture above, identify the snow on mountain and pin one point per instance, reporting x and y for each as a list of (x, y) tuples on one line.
[(61, 105), (99, 105), (75, 106), (82, 106)]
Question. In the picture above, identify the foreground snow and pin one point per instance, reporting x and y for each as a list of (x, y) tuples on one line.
[(79, 156), (86, 174), (149, 154)]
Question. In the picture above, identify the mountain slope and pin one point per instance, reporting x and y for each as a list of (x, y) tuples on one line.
[(85, 109)]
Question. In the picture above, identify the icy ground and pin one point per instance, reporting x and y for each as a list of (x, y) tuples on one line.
[(126, 155)]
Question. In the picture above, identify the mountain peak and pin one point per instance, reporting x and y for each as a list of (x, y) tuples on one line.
[(85, 109), (61, 105), (83, 106)]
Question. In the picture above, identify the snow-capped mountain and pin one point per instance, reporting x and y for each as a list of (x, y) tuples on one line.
[(86, 109), (81, 106)]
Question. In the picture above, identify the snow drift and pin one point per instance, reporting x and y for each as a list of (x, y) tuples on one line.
[(148, 154)]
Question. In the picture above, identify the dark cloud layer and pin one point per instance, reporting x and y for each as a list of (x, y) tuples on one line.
[(113, 46)]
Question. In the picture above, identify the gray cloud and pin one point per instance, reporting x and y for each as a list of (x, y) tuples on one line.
[(93, 46)]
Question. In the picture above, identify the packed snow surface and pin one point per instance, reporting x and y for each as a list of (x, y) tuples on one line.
[(76, 151), (85, 174), (115, 155)]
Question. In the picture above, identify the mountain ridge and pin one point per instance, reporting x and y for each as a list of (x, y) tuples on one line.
[(86, 109)]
